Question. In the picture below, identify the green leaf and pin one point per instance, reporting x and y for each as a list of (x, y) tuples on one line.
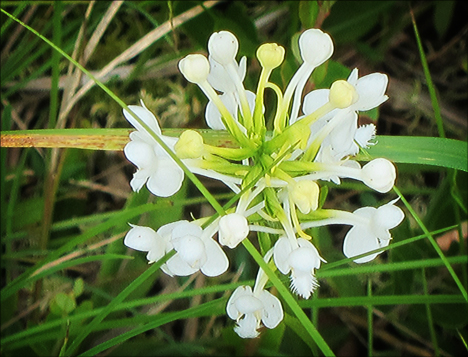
[(443, 13), (62, 304), (441, 152)]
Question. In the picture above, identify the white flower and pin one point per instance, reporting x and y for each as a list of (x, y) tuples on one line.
[(250, 308), (195, 248), (233, 229), (301, 261), (371, 230), (371, 89), (162, 175), (342, 136)]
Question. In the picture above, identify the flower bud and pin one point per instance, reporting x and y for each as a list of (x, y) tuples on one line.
[(195, 68), (223, 47), (379, 174), (305, 195), (315, 46), (270, 55), (189, 145), (233, 229), (342, 94)]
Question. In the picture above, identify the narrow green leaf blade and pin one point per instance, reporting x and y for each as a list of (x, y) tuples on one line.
[(441, 152)]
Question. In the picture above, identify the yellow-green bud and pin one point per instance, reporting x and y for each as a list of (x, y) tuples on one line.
[(342, 94), (195, 68), (189, 145), (270, 55), (305, 195)]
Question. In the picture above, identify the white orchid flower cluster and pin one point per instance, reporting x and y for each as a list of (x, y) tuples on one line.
[(275, 172)]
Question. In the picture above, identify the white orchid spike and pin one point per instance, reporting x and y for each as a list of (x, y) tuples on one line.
[(274, 159)]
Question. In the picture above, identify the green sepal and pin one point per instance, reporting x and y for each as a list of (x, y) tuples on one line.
[(272, 205)]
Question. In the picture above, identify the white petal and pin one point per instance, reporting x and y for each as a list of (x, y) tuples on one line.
[(139, 179), (247, 327), (248, 304), (364, 134), (166, 270), (281, 253), (242, 68), (371, 89), (231, 308), (213, 117), (303, 259), (389, 216), (180, 267), (223, 47), (212, 114), (147, 240), (217, 262), (141, 238), (303, 283), (191, 250), (195, 68), (272, 313), (342, 137), (165, 231), (353, 77), (140, 154), (367, 212), (184, 228), (360, 240), (145, 115), (167, 180), (251, 100), (304, 243), (233, 229), (314, 100), (219, 78), (379, 174), (315, 46)]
